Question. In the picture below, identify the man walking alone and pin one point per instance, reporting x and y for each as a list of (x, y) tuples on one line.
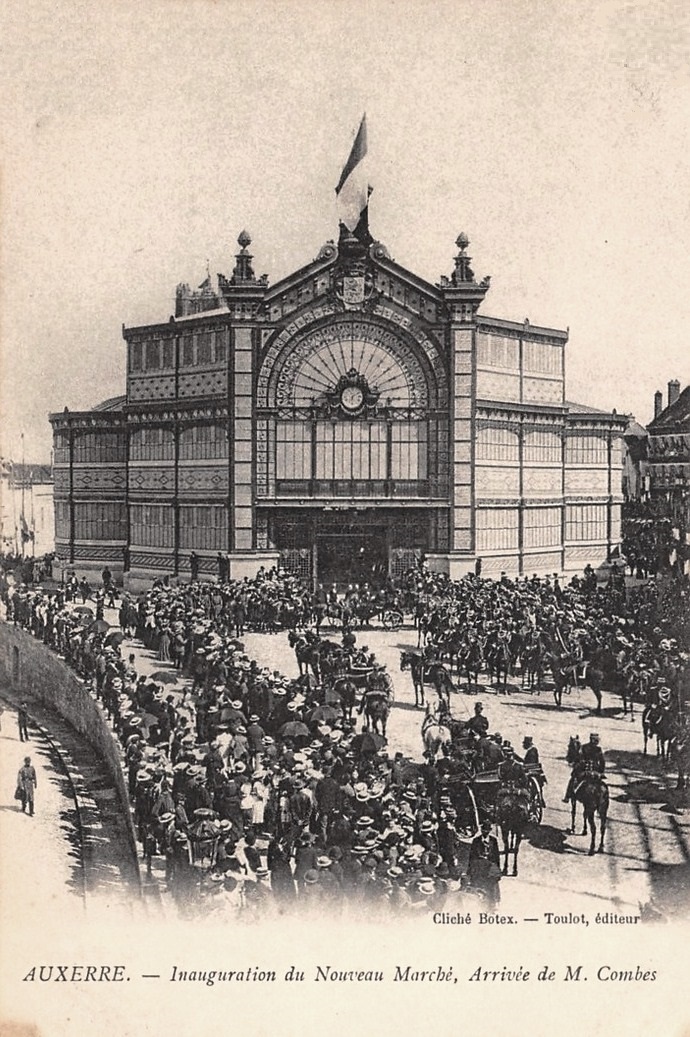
[(23, 722), (26, 781)]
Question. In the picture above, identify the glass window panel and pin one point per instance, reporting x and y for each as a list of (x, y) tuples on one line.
[(496, 444), (153, 354), (293, 450), (586, 449), (542, 445), (100, 521), (151, 525), (586, 522), (497, 530), (187, 351), (542, 527), (168, 353), (221, 350), (203, 349), (203, 527)]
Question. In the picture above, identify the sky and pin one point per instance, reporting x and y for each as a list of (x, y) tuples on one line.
[(138, 140)]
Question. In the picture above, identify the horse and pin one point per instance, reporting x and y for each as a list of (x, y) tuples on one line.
[(573, 753), (629, 682), (375, 707), (414, 662), (565, 676), (346, 690), (512, 816), (592, 791), (306, 652), (658, 722), (440, 678), (499, 661), (431, 673), (449, 647), (534, 663), (435, 733), (471, 659)]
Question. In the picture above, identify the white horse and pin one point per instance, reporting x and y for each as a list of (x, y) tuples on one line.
[(435, 733)]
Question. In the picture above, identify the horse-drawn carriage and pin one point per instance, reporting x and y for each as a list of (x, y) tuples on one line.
[(363, 613), (486, 786)]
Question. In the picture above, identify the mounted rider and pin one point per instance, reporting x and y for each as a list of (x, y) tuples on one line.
[(379, 683), (591, 760)]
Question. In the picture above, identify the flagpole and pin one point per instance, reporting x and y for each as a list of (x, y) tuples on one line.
[(33, 519), (23, 516)]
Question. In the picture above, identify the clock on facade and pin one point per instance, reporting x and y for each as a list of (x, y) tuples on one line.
[(351, 398)]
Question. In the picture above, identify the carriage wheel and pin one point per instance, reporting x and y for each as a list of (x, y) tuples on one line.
[(392, 619)]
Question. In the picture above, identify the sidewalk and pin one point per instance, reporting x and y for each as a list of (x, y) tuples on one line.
[(40, 856)]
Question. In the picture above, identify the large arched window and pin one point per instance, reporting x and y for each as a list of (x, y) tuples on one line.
[(351, 407)]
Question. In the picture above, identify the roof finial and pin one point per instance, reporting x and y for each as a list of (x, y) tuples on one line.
[(463, 272), (243, 272)]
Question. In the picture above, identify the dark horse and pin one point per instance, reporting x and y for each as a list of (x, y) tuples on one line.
[(592, 791), (427, 672), (306, 652), (534, 662), (346, 691), (375, 706), (566, 676), (512, 815), (658, 722), (414, 662), (471, 660), (499, 663)]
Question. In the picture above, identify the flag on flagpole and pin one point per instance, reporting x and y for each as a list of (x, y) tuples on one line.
[(352, 192)]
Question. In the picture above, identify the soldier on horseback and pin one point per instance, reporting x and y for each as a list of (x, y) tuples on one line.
[(591, 759)]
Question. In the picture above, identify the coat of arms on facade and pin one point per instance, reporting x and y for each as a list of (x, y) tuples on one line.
[(354, 289)]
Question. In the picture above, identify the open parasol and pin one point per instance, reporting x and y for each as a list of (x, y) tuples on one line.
[(164, 677)]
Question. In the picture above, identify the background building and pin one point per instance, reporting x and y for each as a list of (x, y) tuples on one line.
[(27, 521), (668, 469), (343, 422)]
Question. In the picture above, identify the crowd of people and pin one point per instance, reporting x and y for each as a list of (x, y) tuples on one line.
[(257, 790), (633, 636)]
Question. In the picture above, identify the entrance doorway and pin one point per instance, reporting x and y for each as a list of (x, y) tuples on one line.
[(349, 558)]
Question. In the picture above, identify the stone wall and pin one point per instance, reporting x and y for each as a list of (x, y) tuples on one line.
[(37, 673)]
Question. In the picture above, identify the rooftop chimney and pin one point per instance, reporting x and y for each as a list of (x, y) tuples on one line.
[(673, 391), (658, 403)]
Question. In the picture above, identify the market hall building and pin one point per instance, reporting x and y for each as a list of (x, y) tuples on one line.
[(342, 423)]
